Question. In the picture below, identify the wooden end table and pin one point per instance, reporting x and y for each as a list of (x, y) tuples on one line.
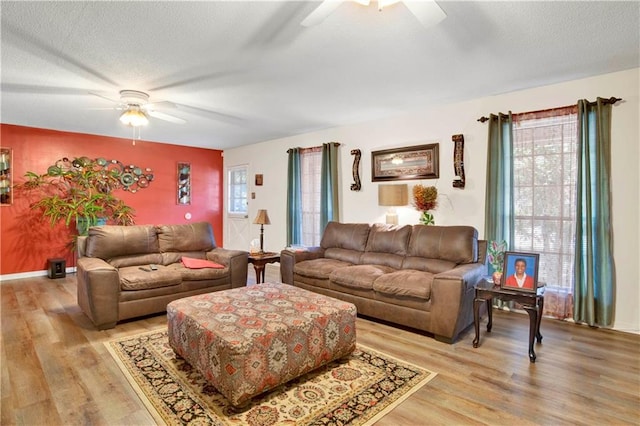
[(533, 303), (260, 260)]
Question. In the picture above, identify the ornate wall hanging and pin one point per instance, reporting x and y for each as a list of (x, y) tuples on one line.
[(128, 177), (355, 186), (184, 184), (458, 161), (6, 183)]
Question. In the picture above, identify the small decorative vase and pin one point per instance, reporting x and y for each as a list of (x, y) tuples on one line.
[(427, 218), (497, 277)]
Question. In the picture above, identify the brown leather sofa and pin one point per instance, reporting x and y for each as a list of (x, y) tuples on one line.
[(115, 281), (417, 276)]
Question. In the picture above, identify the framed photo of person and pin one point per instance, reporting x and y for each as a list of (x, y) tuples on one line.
[(520, 272)]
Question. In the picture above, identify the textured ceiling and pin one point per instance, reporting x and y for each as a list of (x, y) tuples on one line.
[(244, 72)]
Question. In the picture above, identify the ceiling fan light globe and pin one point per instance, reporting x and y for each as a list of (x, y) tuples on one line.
[(134, 117)]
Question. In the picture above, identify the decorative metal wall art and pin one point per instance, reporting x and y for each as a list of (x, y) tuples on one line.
[(184, 184), (6, 182), (356, 185), (458, 161), (130, 177)]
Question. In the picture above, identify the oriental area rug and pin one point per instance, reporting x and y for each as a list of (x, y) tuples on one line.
[(357, 390)]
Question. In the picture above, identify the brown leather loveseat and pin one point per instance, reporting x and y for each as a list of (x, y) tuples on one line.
[(115, 279), (418, 276)]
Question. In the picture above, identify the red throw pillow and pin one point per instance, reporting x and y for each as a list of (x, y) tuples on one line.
[(191, 263)]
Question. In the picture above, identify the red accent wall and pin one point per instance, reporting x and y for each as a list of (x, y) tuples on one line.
[(27, 241)]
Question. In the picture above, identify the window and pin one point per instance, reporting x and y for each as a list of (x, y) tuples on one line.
[(310, 169), (544, 179), (237, 195)]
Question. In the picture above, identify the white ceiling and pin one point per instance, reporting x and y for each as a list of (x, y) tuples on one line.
[(244, 72)]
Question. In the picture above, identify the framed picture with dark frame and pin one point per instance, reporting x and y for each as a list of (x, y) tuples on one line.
[(520, 272), (413, 162)]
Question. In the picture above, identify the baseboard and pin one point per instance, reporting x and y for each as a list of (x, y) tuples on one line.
[(32, 274)]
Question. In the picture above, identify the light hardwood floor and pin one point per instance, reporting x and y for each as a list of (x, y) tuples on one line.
[(57, 371)]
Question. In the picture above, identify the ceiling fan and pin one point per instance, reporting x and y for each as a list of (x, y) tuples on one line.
[(426, 11), (137, 108)]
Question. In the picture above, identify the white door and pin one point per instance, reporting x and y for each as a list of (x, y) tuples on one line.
[(238, 225)]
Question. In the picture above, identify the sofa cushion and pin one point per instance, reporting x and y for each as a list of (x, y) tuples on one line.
[(176, 256), (359, 276), (435, 266), (378, 258), (407, 283), (458, 244), (135, 260), (390, 239), (350, 236), (191, 237), (319, 268), (110, 241), (188, 274), (134, 278), (344, 255)]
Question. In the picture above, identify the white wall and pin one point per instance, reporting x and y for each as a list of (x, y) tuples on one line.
[(465, 206)]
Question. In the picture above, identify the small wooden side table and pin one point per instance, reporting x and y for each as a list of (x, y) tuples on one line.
[(260, 260), (533, 303)]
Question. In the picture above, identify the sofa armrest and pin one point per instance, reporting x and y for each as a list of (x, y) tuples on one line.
[(289, 258), (236, 260), (482, 251), (468, 274), (98, 291), (452, 294)]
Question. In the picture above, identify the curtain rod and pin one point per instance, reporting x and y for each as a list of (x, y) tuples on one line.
[(612, 100), (317, 147)]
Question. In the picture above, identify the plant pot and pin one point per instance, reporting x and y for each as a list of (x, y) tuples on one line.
[(497, 277)]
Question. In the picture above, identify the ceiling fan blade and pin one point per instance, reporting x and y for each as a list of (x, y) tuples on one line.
[(166, 117), (159, 105), (427, 11), (117, 101), (40, 90), (321, 12), (212, 115)]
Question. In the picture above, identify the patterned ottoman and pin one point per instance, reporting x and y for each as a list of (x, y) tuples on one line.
[(251, 339)]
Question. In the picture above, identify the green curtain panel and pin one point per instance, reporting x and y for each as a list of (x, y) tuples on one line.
[(294, 198), (594, 267), (499, 207), (329, 208)]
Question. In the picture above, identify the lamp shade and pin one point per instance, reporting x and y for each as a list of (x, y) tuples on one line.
[(262, 218), (393, 195)]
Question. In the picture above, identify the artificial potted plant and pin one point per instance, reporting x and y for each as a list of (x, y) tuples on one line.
[(425, 198), (495, 254), (79, 192)]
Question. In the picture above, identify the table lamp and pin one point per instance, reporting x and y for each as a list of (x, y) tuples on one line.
[(262, 219), (393, 196)]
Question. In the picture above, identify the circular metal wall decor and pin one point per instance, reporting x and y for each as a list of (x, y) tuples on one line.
[(130, 177)]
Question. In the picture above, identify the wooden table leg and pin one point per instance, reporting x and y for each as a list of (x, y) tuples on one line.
[(259, 273), (476, 320), (540, 311), (489, 314), (533, 324)]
